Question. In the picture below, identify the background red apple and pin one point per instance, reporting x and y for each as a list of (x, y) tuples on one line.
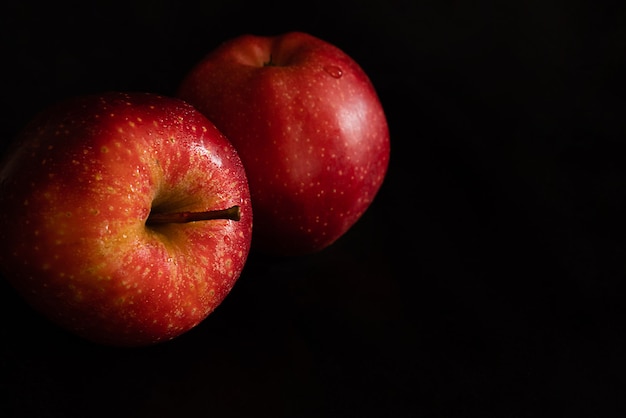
[(309, 128), (97, 193)]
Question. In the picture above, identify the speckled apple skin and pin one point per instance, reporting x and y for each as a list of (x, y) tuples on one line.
[(309, 128), (75, 192)]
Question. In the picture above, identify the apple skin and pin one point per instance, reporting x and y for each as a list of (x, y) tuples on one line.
[(309, 128), (76, 189)]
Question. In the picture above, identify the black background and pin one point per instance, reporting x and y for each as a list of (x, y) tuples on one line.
[(483, 281)]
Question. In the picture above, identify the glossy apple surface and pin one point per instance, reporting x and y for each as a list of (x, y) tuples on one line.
[(90, 193), (309, 128)]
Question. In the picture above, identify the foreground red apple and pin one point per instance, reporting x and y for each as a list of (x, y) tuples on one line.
[(125, 218), (309, 128)]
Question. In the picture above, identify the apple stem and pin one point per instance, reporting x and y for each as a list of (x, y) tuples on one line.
[(233, 213)]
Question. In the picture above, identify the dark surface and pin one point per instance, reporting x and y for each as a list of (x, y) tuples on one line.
[(484, 280)]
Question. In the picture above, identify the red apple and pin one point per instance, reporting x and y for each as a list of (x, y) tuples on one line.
[(125, 218), (309, 128)]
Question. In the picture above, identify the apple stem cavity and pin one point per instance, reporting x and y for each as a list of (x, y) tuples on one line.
[(233, 213), (269, 63)]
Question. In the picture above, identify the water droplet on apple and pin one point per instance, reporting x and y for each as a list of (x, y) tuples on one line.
[(334, 71), (226, 240)]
